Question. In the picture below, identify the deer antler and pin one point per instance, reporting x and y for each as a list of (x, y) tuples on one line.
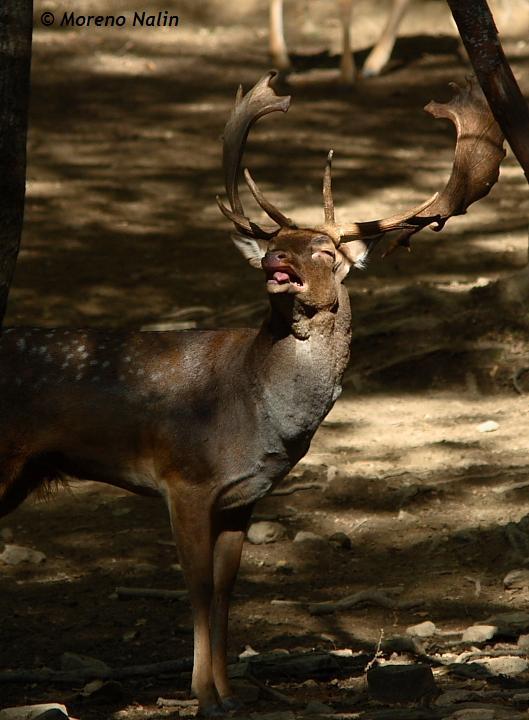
[(478, 155), (477, 159), (259, 101)]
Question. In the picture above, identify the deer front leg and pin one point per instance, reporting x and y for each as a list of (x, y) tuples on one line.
[(380, 54), (230, 531), (191, 516), (347, 63), (277, 46)]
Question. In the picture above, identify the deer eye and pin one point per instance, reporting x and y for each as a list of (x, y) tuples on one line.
[(329, 253)]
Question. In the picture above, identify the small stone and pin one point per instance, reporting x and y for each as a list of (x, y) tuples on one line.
[(523, 642), (422, 630), (345, 488), (73, 661), (488, 426), (343, 652), (284, 567), (308, 536), (473, 714), (521, 698), (16, 554), (401, 683), (510, 624), (451, 697), (341, 540), (310, 683), (404, 515), (332, 472), (402, 644), (108, 691), (48, 711), (510, 665), (516, 580), (248, 652), (6, 534), (264, 532), (130, 635), (314, 707), (479, 633)]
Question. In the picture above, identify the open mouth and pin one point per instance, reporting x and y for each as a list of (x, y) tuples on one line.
[(283, 279)]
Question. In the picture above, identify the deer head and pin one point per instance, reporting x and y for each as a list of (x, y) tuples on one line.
[(310, 263)]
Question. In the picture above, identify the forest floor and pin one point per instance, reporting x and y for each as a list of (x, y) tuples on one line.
[(122, 229)]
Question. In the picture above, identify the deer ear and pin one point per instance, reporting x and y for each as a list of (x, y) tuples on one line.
[(343, 265), (357, 251), (253, 250)]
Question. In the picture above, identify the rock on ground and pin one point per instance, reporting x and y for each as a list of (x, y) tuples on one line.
[(264, 532)]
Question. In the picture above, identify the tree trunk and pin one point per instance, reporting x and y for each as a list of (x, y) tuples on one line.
[(16, 21), (480, 38)]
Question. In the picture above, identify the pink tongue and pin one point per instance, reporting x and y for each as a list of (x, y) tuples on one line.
[(281, 277)]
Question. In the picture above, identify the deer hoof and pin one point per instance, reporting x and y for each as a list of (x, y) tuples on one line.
[(232, 703), (211, 711)]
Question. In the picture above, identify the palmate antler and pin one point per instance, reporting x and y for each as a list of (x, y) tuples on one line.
[(477, 159)]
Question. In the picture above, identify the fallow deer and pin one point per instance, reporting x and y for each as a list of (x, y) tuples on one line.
[(377, 58), (380, 54), (212, 420)]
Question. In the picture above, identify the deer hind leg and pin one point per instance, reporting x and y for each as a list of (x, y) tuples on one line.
[(347, 63), (16, 482), (380, 54), (191, 516), (277, 46), (21, 475), (230, 530)]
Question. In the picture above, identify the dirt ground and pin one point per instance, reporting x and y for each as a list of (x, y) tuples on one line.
[(122, 229)]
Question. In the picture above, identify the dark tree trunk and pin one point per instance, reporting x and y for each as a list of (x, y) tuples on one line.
[(16, 20), (480, 38)]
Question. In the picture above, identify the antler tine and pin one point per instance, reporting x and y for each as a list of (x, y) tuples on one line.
[(328, 202), (270, 209), (478, 155), (259, 101), (477, 158), (400, 221), (243, 224)]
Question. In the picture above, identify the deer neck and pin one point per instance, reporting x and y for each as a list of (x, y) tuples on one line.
[(298, 360)]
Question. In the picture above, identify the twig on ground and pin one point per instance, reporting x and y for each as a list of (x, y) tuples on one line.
[(124, 592), (474, 654), (290, 489), (170, 702), (71, 677), (274, 694), (516, 378), (378, 652), (374, 596), (510, 488)]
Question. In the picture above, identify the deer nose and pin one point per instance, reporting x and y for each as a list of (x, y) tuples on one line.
[(276, 257)]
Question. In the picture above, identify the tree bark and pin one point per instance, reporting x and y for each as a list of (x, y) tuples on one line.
[(480, 37), (16, 20)]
